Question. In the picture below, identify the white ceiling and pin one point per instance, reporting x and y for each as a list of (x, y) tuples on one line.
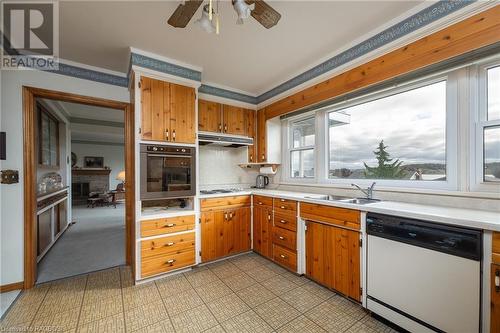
[(248, 57), (91, 123)]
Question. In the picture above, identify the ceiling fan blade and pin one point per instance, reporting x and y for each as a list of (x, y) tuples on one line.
[(264, 14), (183, 13)]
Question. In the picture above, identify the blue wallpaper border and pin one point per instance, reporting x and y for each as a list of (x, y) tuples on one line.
[(211, 90), (165, 67), (414, 22), (426, 16)]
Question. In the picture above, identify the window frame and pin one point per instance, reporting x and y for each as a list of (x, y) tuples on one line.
[(288, 146), (479, 122), (323, 145)]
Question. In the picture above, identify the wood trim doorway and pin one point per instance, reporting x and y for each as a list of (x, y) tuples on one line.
[(30, 163)]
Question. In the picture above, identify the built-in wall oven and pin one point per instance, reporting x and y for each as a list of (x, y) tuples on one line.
[(167, 171)]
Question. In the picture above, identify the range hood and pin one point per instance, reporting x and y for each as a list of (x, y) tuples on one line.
[(225, 140)]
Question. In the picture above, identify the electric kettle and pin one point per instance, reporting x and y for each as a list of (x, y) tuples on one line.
[(261, 181)]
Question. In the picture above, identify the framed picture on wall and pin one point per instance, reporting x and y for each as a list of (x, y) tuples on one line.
[(93, 162)]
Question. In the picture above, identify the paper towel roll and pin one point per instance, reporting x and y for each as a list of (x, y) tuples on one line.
[(268, 170)]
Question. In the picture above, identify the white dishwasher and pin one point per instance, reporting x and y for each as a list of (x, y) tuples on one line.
[(422, 276)]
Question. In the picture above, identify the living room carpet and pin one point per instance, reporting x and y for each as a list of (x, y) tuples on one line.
[(95, 242)]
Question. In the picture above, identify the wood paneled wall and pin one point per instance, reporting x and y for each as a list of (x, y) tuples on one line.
[(475, 32)]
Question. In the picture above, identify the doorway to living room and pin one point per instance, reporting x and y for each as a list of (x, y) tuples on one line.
[(82, 146), (81, 158)]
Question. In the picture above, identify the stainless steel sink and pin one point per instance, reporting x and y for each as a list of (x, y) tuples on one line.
[(360, 201)]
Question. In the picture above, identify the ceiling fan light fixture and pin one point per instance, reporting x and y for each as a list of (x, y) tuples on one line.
[(204, 21), (242, 9)]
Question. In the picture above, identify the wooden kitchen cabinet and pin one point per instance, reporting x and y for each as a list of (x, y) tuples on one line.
[(167, 111), (333, 258), (234, 120), (262, 230), (251, 131), (225, 231), (261, 136), (209, 116), (495, 299)]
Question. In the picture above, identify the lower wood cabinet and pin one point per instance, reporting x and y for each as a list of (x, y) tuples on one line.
[(333, 258), (495, 299), (225, 232), (262, 230)]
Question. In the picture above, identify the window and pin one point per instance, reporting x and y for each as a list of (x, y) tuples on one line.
[(398, 137), (489, 128), (301, 150)]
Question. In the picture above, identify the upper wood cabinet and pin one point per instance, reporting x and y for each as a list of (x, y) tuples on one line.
[(235, 120), (261, 136), (167, 111), (251, 131), (209, 116), (222, 118)]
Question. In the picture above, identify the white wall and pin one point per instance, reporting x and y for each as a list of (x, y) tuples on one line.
[(11, 208), (114, 158), (219, 166)]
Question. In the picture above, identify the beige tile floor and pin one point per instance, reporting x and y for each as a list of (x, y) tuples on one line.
[(243, 294)]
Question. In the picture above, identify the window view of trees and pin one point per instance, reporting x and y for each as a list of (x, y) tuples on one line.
[(407, 131)]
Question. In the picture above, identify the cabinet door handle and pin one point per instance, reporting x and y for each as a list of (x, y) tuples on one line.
[(497, 280), (283, 256), (230, 216), (170, 225), (169, 244), (220, 127), (225, 216), (173, 135), (251, 158), (170, 262), (269, 217), (281, 237), (167, 135), (225, 128)]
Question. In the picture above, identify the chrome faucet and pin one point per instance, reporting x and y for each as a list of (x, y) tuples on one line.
[(368, 192)]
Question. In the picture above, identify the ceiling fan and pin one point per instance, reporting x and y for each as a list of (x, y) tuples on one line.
[(262, 12)]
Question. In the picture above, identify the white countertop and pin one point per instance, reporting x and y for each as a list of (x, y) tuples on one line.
[(478, 219)]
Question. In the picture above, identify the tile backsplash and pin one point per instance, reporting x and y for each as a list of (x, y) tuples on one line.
[(219, 167)]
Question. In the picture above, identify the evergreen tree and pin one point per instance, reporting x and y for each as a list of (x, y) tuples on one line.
[(386, 168)]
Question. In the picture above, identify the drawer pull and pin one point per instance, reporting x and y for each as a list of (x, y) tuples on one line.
[(170, 225), (170, 262), (169, 244), (282, 200), (283, 256), (281, 237), (497, 280), (283, 207), (260, 203), (283, 221)]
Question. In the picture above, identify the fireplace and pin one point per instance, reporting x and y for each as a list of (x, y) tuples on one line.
[(85, 181)]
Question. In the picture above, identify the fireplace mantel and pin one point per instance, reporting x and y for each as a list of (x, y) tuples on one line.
[(90, 172)]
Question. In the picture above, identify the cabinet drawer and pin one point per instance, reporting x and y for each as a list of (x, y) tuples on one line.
[(285, 221), (167, 245), (168, 262), (341, 217), (285, 257), (285, 206), (166, 225), (225, 202), (285, 238), (259, 200)]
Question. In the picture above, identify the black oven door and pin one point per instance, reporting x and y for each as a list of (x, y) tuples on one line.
[(167, 175)]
